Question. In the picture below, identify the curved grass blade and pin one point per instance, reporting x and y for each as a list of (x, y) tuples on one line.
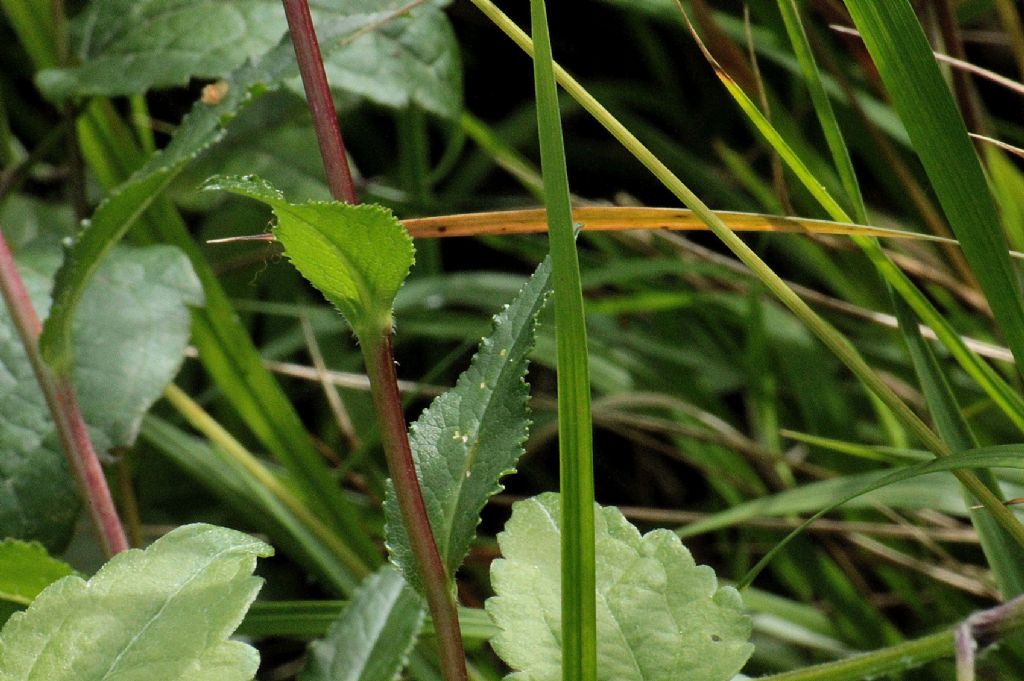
[(920, 95), (1008, 399), (1005, 456), (1005, 557), (245, 492), (833, 340)]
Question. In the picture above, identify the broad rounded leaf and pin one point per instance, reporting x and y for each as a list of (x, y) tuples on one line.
[(372, 638), (357, 256), (131, 329), (413, 59), (471, 436), (163, 613), (659, 615), (161, 43)]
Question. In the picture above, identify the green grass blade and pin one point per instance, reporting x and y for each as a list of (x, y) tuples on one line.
[(1006, 456), (309, 619), (579, 613), (1010, 401), (823, 107), (241, 489), (1004, 556), (921, 97), (833, 340)]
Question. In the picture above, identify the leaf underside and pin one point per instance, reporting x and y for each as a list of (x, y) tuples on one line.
[(372, 638), (163, 613), (659, 615)]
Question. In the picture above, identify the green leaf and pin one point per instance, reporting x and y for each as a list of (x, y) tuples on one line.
[(25, 570), (132, 330), (203, 127), (471, 436), (921, 97), (162, 43), (357, 256), (401, 58), (659, 615), (200, 129), (412, 60), (372, 638), (162, 613)]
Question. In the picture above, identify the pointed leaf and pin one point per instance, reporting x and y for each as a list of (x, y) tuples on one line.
[(372, 638), (659, 615), (162, 613), (473, 435), (357, 256)]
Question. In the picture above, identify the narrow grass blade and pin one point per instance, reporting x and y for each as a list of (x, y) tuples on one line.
[(1006, 456), (1004, 556), (823, 107), (1009, 400), (921, 97), (309, 619), (575, 446), (246, 493), (836, 342)]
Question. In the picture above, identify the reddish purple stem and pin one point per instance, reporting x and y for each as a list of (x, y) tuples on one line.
[(321, 105), (60, 397)]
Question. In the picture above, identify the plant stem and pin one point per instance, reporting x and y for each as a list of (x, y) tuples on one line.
[(60, 397), (984, 628), (380, 361), (321, 104), (380, 367)]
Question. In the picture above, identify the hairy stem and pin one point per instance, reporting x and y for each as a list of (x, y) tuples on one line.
[(380, 361), (380, 367), (60, 398), (321, 105)]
